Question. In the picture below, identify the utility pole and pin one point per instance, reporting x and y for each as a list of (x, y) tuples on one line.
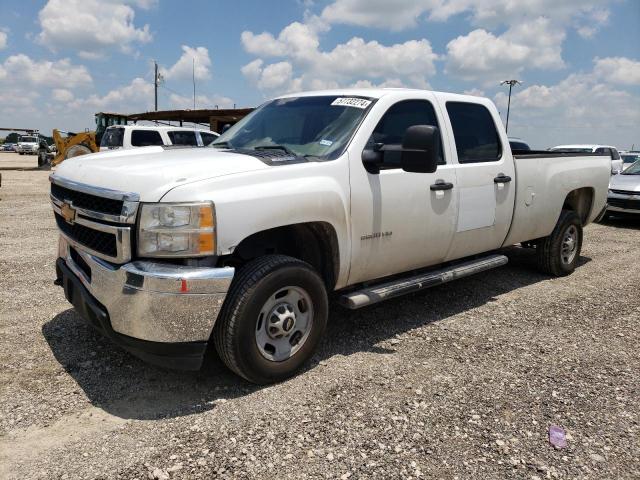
[(193, 74), (511, 84), (155, 84)]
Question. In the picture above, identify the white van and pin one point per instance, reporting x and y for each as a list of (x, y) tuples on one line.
[(131, 136)]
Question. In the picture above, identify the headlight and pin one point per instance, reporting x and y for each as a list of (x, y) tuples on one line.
[(176, 230)]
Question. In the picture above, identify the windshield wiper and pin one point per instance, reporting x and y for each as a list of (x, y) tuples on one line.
[(221, 145), (276, 147)]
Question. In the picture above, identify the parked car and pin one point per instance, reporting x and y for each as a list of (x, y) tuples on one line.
[(629, 158), (612, 152), (130, 136), (624, 192), (28, 145), (9, 147), (367, 194), (518, 144)]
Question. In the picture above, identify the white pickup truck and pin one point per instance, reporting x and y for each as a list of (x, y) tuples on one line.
[(366, 194)]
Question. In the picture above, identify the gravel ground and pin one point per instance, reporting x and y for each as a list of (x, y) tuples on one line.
[(462, 381)]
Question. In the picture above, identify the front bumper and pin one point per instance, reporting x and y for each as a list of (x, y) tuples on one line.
[(622, 203), (162, 313)]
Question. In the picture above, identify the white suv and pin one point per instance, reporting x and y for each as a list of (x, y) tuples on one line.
[(131, 136)]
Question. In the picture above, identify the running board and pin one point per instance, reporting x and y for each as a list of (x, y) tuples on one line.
[(402, 286)]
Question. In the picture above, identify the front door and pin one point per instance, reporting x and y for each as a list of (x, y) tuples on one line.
[(399, 221)]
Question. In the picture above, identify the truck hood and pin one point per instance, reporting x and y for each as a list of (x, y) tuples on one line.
[(153, 171), (625, 182)]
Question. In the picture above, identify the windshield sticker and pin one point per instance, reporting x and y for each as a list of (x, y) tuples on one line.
[(326, 143), (351, 102)]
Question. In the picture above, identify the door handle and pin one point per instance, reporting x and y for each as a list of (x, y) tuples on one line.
[(502, 178), (440, 185)]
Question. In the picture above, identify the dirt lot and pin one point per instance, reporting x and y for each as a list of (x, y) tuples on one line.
[(461, 381)]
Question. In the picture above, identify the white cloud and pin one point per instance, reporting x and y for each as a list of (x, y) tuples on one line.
[(483, 55), (571, 111), (618, 70), (134, 97), (91, 27), (185, 66), (394, 15), (3, 40), (402, 14), (202, 101), (476, 92), (21, 69), (305, 65), (62, 95)]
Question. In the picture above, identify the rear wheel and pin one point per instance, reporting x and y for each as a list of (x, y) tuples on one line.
[(558, 253), (273, 318)]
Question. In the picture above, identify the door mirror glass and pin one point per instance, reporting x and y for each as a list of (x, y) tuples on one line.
[(420, 149)]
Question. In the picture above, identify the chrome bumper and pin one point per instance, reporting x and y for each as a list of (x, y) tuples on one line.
[(152, 301)]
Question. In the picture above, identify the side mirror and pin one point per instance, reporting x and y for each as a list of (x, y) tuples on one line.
[(420, 149)]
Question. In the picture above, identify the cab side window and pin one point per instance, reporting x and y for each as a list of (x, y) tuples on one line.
[(144, 138), (207, 138), (183, 137), (392, 126), (476, 136)]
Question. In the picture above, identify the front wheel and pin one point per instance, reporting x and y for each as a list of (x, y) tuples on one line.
[(558, 253), (272, 320)]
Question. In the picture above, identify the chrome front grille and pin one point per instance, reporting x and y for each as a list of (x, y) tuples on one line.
[(97, 220)]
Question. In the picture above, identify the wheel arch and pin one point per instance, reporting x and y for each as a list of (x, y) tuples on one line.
[(313, 242), (580, 201)]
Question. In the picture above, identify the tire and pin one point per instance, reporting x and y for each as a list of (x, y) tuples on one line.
[(558, 253), (77, 150), (281, 293)]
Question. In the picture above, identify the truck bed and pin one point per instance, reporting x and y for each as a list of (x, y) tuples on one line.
[(543, 181)]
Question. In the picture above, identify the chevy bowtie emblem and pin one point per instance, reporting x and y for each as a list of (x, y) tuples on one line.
[(68, 213)]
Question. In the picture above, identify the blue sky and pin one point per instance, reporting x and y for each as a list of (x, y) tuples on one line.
[(63, 60)]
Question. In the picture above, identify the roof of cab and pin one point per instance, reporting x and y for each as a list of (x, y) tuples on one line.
[(377, 93)]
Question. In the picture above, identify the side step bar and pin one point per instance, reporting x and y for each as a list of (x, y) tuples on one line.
[(395, 288)]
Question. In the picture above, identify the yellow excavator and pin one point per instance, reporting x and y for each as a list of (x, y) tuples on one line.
[(75, 144)]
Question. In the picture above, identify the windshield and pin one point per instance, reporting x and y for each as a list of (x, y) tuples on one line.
[(572, 150), (28, 139), (318, 127), (112, 138), (633, 169), (630, 158)]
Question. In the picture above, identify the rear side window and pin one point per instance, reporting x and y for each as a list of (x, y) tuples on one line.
[(144, 138), (392, 126), (183, 137), (112, 137), (207, 138), (475, 133)]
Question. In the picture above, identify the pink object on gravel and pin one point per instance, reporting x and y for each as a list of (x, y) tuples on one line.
[(557, 437)]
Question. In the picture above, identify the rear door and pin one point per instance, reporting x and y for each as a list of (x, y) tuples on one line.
[(486, 178), (399, 222)]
